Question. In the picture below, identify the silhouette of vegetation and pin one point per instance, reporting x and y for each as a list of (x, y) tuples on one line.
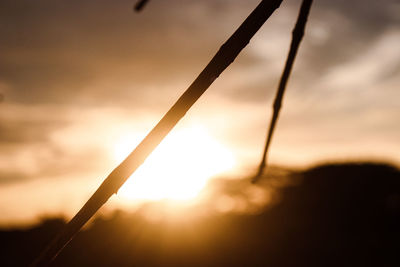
[(297, 36), (338, 215), (222, 59), (140, 5)]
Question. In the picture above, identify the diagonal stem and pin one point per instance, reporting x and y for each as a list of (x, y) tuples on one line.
[(297, 36), (222, 59)]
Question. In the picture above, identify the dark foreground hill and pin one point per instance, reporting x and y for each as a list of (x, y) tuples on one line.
[(340, 215)]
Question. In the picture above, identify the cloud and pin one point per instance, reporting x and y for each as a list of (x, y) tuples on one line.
[(98, 53), (62, 61), (101, 53), (76, 76), (26, 131)]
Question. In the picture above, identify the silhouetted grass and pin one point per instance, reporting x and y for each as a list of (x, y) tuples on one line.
[(297, 36)]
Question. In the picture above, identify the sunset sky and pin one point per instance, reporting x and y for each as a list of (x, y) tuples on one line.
[(82, 82)]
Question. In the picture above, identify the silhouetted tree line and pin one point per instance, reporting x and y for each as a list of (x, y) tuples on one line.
[(339, 215)]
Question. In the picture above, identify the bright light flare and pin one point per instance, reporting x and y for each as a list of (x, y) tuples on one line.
[(178, 168)]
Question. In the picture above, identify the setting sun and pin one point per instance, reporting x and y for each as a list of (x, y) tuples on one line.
[(178, 169)]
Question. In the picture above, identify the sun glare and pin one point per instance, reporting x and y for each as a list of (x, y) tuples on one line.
[(178, 168)]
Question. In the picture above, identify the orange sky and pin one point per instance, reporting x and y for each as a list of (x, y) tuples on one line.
[(76, 78)]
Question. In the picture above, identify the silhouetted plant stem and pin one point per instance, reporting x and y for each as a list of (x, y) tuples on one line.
[(140, 5), (222, 59), (297, 36)]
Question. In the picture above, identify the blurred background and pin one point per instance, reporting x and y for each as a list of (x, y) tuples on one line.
[(82, 82)]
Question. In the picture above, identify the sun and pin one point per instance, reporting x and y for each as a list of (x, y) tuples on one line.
[(178, 168)]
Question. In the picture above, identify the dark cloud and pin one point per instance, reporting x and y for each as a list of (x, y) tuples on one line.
[(101, 53), (338, 33), (63, 51), (351, 27), (370, 16), (27, 131)]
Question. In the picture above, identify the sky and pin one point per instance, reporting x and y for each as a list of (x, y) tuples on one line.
[(81, 79)]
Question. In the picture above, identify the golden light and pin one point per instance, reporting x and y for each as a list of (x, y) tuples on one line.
[(179, 167)]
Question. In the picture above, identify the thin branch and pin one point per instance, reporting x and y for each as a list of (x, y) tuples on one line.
[(222, 59), (297, 36), (140, 5)]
